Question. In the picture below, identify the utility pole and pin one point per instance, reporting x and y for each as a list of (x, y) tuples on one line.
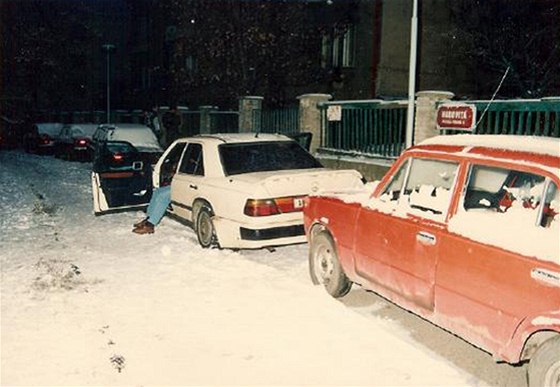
[(412, 74), (108, 48)]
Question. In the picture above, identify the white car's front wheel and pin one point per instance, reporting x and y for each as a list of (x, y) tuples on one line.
[(205, 232)]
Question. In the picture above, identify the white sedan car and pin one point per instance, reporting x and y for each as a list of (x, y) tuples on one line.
[(246, 190), (235, 190)]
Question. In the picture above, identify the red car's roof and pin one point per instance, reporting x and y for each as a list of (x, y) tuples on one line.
[(544, 151)]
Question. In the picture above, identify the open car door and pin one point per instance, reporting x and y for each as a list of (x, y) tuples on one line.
[(120, 178)]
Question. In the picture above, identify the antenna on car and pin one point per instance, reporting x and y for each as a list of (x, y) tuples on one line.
[(493, 96)]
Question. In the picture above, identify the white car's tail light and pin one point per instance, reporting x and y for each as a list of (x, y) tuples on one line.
[(267, 207)]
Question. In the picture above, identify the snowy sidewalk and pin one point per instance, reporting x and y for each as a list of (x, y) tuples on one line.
[(86, 302)]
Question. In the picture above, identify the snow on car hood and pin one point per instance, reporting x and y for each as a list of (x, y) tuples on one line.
[(299, 182)]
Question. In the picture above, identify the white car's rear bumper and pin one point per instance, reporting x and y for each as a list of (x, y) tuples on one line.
[(250, 236)]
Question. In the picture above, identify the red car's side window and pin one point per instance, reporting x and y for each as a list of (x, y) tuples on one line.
[(499, 189), (511, 209), (422, 186)]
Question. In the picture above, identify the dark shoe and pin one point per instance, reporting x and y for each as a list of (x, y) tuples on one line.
[(146, 228), (140, 223)]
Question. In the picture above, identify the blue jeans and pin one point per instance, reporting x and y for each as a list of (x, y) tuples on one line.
[(161, 197)]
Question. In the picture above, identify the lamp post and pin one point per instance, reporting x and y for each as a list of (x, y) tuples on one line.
[(412, 74), (108, 48)]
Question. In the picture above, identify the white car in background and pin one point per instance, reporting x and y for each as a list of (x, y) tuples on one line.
[(243, 191)]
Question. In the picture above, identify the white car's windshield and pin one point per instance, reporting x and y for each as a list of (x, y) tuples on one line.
[(265, 156)]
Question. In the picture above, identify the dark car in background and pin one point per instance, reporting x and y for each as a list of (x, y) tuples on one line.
[(120, 177), (139, 136), (42, 137), (8, 133), (74, 140)]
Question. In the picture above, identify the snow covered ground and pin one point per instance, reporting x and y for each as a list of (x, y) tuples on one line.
[(86, 302)]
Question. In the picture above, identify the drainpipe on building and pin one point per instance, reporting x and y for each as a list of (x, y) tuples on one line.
[(412, 74)]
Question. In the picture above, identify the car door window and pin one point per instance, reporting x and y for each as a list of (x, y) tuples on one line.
[(421, 187), (429, 185), (512, 209), (500, 189), (393, 190), (192, 162), (170, 163)]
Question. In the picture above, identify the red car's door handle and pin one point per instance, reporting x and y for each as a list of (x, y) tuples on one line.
[(548, 277), (426, 238)]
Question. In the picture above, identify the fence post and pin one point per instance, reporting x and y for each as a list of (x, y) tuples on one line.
[(426, 109), (205, 119), (249, 107), (310, 117)]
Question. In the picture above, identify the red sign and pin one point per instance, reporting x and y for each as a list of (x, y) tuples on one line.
[(455, 116)]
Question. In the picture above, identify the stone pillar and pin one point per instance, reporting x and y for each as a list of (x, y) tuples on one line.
[(206, 119), (310, 117), (426, 113), (250, 108)]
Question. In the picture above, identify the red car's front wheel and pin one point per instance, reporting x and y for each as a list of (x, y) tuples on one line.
[(325, 268)]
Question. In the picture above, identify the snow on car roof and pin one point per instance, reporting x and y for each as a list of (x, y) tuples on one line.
[(87, 129), (138, 135), (531, 144), (50, 128), (245, 137)]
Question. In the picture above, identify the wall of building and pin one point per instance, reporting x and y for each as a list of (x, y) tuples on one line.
[(395, 47)]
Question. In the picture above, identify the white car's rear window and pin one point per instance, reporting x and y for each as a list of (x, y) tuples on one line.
[(265, 156)]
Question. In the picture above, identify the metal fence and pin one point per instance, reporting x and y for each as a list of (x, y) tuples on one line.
[(371, 128), (284, 120), (522, 117), (224, 121), (191, 123)]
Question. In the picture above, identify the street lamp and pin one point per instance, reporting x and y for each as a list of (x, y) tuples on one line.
[(108, 48)]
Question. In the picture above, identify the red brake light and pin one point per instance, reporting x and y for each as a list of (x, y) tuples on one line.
[(266, 207), (45, 138), (117, 156), (260, 207), (81, 142)]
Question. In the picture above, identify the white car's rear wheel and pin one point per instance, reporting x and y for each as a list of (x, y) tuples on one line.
[(325, 268), (205, 232)]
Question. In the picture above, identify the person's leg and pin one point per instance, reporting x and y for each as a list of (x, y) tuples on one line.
[(161, 198)]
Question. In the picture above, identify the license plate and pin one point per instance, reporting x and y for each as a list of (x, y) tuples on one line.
[(298, 203)]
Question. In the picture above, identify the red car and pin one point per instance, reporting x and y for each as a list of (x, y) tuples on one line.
[(462, 231)]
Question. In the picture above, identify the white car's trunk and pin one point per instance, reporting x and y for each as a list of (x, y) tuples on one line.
[(301, 182)]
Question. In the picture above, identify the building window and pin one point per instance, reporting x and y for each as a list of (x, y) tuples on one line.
[(191, 65), (146, 78), (337, 48)]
